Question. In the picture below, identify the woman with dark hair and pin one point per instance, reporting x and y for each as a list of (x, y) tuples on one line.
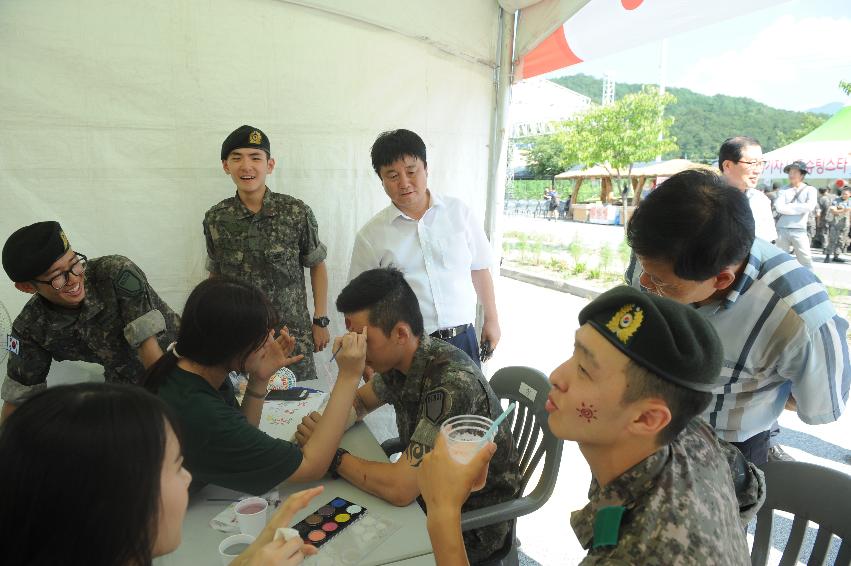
[(93, 474), (227, 325)]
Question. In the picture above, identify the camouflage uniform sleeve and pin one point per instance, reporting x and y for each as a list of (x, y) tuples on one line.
[(135, 308), (455, 395), (311, 250), (750, 490), (381, 389), (26, 369), (212, 258)]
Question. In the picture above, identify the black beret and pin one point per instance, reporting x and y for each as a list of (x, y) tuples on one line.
[(665, 337), (245, 136), (31, 250)]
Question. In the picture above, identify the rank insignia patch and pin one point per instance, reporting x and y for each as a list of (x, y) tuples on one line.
[(128, 284), (437, 405)]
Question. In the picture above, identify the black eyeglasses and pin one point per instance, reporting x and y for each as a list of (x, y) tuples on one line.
[(77, 268), (753, 164)]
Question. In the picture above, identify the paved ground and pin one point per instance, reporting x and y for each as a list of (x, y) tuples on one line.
[(596, 235)]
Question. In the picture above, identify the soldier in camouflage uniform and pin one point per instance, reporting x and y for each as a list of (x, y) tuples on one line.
[(665, 489), (838, 219), (427, 381), (267, 239), (100, 310)]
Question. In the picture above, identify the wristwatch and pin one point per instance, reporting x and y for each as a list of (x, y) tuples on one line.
[(321, 321), (335, 462)]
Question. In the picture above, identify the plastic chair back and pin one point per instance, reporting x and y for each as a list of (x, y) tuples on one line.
[(811, 493)]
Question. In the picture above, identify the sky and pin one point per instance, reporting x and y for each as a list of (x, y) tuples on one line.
[(791, 56)]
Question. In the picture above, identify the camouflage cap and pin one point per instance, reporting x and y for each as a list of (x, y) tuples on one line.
[(31, 250), (245, 136), (672, 340)]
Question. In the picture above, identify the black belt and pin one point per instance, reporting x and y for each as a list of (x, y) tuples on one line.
[(448, 333)]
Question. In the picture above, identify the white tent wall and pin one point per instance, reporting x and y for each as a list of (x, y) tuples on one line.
[(114, 113)]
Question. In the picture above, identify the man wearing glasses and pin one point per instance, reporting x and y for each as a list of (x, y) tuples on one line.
[(784, 344), (740, 161), (100, 310)]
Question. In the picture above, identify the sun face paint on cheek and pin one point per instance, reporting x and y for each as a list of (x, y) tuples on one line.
[(587, 412)]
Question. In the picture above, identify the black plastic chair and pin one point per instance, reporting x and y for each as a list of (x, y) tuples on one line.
[(811, 493), (535, 443)]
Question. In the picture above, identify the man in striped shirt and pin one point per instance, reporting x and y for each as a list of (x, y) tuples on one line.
[(784, 343)]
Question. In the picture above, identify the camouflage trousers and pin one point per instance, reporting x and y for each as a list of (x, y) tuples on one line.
[(483, 542), (837, 237)]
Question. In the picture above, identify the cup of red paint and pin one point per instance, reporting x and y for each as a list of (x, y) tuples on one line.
[(252, 514)]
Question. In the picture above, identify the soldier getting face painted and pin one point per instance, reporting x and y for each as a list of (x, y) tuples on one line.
[(99, 310), (427, 381)]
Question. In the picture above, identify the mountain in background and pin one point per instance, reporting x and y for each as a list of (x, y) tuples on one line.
[(830, 109), (702, 122)]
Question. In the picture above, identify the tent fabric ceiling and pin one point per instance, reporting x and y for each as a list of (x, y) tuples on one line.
[(112, 124)]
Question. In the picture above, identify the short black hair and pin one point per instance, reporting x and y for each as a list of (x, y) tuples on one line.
[(393, 145), (684, 404), (731, 149), (388, 298), (696, 221)]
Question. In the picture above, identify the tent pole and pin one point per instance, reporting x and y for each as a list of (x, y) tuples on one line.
[(497, 160)]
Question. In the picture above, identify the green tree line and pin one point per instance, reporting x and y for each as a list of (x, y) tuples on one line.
[(702, 122)]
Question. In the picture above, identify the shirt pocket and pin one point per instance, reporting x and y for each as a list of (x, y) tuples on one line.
[(283, 262), (453, 252)]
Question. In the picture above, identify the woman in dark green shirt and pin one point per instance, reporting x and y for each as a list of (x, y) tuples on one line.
[(227, 325)]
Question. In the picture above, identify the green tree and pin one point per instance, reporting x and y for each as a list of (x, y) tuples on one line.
[(631, 129), (809, 123), (554, 153), (845, 87), (702, 122)]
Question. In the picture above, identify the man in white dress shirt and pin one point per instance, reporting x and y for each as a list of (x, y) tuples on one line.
[(740, 161), (434, 240)]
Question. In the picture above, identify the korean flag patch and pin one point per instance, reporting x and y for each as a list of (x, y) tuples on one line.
[(13, 345)]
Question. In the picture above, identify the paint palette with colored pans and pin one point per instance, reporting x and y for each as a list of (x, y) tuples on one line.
[(355, 546), (328, 521)]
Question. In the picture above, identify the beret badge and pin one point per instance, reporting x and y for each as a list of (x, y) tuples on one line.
[(626, 322), (255, 138)]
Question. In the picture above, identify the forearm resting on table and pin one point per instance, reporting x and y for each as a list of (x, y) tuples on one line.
[(323, 443), (394, 483), (444, 530)]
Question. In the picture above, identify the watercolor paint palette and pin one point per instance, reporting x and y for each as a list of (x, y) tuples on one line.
[(329, 521), (355, 546)]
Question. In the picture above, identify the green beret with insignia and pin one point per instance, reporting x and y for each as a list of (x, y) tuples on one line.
[(31, 250), (665, 337), (245, 136)]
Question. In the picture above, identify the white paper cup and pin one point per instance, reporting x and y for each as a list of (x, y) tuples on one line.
[(232, 547), (464, 435), (251, 514)]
